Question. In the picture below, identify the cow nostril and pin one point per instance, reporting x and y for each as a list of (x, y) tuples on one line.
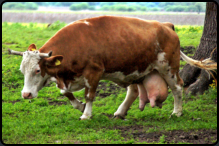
[(26, 95), (29, 95)]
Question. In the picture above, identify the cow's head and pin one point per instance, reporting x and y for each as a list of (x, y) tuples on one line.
[(34, 66)]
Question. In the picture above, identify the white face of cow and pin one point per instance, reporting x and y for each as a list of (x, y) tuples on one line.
[(33, 80)]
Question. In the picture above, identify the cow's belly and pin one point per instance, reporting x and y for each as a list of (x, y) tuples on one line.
[(125, 80), (161, 65)]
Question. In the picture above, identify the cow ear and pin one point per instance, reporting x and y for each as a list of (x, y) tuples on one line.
[(32, 47), (54, 60)]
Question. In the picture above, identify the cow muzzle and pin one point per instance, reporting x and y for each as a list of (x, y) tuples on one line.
[(26, 95)]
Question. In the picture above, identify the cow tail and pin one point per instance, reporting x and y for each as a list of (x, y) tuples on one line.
[(207, 64)]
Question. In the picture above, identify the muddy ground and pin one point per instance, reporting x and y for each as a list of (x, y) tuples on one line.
[(201, 136), (184, 19)]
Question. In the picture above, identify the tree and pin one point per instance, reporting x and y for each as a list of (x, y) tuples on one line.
[(79, 6), (198, 7), (196, 80), (31, 5)]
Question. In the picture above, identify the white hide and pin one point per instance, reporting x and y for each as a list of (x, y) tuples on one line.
[(161, 64), (32, 82), (86, 83), (87, 111), (86, 22)]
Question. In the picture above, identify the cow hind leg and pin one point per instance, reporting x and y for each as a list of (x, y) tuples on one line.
[(175, 83), (132, 94)]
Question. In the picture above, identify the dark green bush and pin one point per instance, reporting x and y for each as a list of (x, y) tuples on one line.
[(154, 9), (13, 5), (84, 5), (20, 6), (106, 8), (120, 8), (80, 6), (143, 8), (131, 8), (74, 7), (190, 9), (31, 6), (176, 8), (91, 8)]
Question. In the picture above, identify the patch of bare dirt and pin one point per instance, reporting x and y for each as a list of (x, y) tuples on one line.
[(106, 89), (13, 102), (10, 43), (57, 103), (201, 136)]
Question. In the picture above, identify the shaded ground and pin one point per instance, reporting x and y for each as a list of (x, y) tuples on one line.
[(188, 49)]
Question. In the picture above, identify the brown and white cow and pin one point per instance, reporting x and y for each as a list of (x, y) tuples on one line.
[(121, 49)]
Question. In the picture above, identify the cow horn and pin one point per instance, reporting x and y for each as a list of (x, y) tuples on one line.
[(15, 52), (45, 55)]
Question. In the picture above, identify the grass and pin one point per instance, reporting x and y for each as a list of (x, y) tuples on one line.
[(37, 121), (189, 35)]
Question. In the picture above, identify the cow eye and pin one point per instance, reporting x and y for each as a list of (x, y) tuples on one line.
[(37, 71)]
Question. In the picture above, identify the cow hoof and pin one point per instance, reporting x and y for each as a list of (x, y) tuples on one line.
[(176, 114), (84, 117), (118, 117), (141, 109)]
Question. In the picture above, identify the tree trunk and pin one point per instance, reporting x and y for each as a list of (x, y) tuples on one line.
[(197, 80)]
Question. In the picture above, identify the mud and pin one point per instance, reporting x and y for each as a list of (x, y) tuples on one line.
[(106, 89), (201, 136)]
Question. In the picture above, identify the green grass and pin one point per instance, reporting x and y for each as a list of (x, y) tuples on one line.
[(189, 35), (36, 121)]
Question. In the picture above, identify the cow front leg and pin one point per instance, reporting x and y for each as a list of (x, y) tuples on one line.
[(91, 82), (75, 102), (132, 94), (88, 108)]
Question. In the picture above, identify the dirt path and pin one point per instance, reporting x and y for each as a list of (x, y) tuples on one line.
[(185, 19)]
